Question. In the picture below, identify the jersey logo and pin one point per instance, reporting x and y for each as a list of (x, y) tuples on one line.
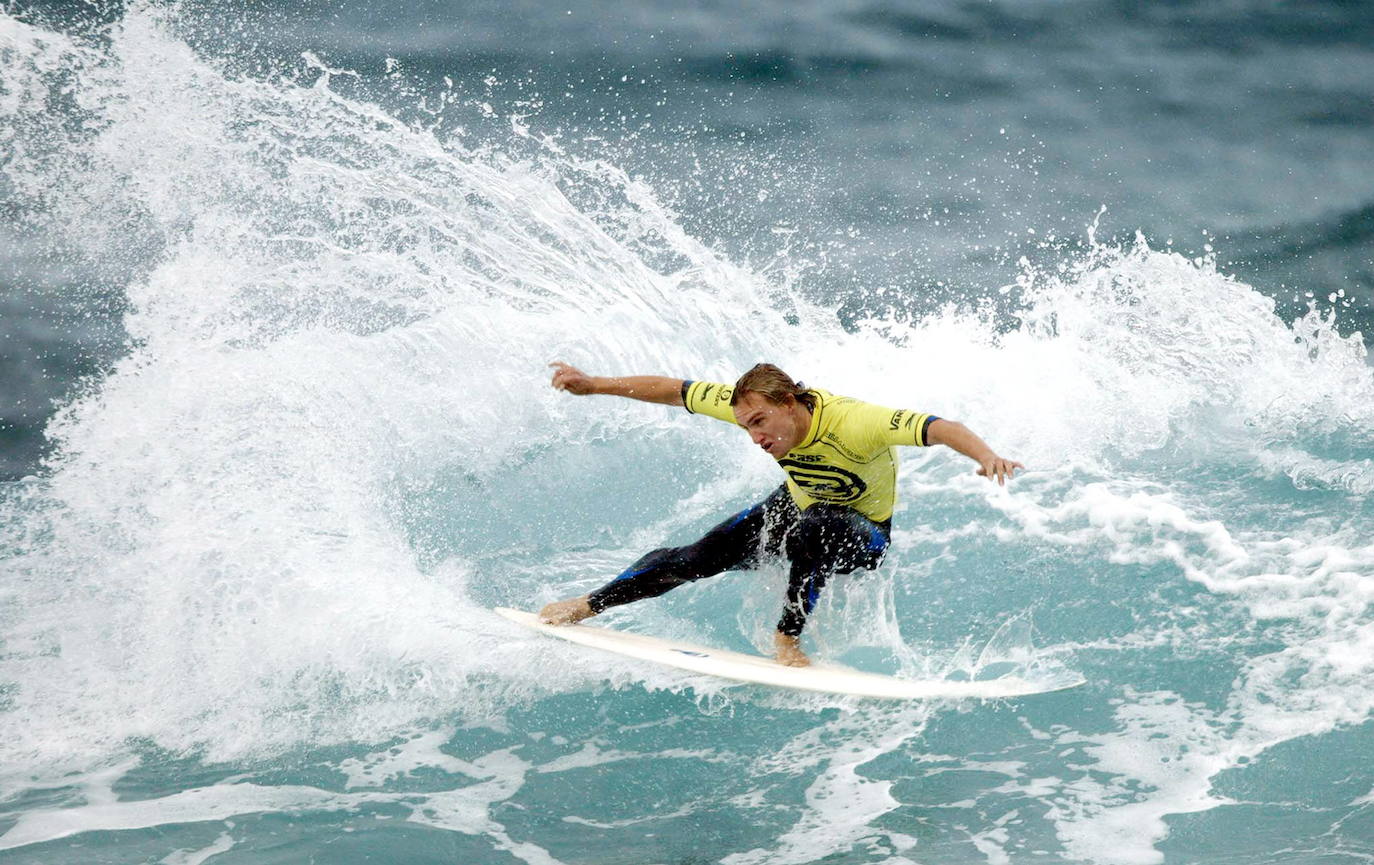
[(825, 483), (896, 422), (721, 395)]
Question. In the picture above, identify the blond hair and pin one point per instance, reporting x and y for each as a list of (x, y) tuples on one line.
[(774, 385)]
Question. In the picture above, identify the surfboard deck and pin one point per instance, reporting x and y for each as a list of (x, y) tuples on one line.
[(821, 677)]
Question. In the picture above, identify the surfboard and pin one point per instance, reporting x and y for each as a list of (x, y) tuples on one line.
[(822, 677)]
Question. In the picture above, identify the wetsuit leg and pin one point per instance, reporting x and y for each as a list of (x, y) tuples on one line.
[(739, 542), (827, 539)]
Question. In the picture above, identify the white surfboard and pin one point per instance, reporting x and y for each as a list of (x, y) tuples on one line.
[(826, 678)]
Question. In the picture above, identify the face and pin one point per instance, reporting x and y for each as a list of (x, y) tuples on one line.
[(775, 427)]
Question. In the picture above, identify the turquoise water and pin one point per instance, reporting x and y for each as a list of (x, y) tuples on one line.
[(246, 595)]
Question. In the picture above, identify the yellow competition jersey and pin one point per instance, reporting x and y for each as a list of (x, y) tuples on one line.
[(849, 454)]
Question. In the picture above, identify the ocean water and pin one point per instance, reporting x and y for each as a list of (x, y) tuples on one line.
[(279, 290)]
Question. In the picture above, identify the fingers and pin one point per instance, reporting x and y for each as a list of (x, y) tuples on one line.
[(1001, 472), (1000, 469), (562, 372)]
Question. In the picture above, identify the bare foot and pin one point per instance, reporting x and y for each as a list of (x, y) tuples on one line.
[(566, 612), (789, 652)]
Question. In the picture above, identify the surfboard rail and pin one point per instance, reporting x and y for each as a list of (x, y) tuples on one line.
[(819, 677)]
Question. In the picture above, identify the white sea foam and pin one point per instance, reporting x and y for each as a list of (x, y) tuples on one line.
[(223, 844), (465, 809), (842, 804), (341, 321)]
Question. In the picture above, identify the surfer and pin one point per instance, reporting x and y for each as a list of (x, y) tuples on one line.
[(833, 515)]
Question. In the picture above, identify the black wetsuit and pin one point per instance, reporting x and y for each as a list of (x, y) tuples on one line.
[(824, 539)]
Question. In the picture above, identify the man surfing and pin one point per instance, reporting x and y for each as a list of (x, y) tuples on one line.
[(833, 514)]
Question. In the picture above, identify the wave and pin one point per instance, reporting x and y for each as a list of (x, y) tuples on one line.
[(278, 521)]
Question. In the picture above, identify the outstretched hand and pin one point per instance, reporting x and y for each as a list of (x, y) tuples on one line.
[(569, 378), (1001, 469)]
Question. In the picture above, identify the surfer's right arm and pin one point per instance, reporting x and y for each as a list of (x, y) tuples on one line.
[(648, 388)]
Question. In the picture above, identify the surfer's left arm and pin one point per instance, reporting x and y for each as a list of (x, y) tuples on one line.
[(955, 435)]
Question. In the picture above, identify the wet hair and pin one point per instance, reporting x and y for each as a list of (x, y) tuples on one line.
[(774, 385)]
